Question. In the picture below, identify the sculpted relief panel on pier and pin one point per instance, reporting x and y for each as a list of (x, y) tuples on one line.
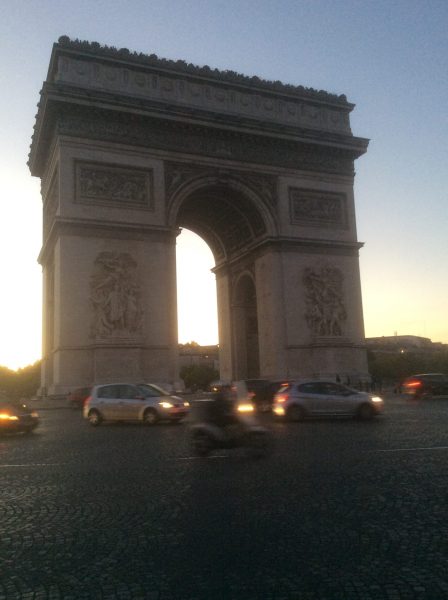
[(115, 297), (324, 297)]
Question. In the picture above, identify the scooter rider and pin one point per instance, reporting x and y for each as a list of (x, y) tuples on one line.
[(223, 409)]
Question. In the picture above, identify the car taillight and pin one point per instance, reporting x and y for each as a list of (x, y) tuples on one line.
[(280, 398), (413, 384)]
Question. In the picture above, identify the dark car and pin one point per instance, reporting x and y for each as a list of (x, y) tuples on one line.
[(76, 398), (425, 385), (17, 417)]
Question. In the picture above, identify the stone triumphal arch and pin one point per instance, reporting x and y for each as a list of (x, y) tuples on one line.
[(129, 149)]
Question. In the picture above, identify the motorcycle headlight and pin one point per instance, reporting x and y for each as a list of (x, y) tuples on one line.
[(245, 408)]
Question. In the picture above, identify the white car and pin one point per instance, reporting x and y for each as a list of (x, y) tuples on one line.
[(298, 400), (144, 402)]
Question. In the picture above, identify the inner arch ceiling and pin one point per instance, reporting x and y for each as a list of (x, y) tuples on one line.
[(225, 218)]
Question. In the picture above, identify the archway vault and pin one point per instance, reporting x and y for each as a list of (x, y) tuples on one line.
[(225, 212), (129, 149)]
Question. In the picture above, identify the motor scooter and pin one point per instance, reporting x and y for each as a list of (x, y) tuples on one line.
[(241, 430)]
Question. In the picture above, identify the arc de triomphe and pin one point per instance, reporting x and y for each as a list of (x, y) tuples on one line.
[(129, 149)]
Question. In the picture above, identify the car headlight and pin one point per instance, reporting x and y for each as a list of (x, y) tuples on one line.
[(8, 417), (166, 404), (186, 404), (376, 399)]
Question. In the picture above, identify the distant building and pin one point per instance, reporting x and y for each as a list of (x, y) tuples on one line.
[(402, 343)]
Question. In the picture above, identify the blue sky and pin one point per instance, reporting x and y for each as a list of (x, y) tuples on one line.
[(389, 58)]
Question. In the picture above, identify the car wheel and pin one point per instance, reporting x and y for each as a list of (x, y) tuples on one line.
[(94, 418), (365, 412), (150, 417), (296, 413), (202, 444)]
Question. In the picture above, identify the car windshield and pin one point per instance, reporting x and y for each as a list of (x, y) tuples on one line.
[(151, 389)]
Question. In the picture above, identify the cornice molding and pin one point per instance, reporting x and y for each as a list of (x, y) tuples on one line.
[(310, 154), (130, 83), (181, 67)]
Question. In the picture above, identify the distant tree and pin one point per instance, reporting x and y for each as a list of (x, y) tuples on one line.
[(393, 367), (22, 383), (198, 377), (191, 344)]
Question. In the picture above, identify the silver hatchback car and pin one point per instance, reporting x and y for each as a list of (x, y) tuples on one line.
[(298, 400), (144, 402)]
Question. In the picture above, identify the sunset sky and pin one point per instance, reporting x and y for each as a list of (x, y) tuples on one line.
[(389, 57)]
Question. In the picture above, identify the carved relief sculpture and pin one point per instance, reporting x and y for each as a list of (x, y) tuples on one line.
[(115, 296), (314, 208), (112, 184), (325, 311)]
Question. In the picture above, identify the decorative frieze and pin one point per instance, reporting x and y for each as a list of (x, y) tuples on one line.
[(325, 312), (216, 96), (197, 140), (113, 185), (115, 297), (315, 208)]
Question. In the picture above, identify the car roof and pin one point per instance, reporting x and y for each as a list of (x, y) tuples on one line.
[(296, 381), (428, 375), (98, 385)]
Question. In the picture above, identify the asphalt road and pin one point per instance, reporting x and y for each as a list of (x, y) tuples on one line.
[(341, 510)]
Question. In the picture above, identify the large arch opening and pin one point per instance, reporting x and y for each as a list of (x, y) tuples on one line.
[(231, 223), (197, 316)]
